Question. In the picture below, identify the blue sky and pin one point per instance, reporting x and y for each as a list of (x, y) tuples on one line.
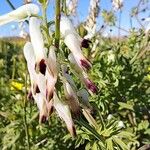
[(7, 30)]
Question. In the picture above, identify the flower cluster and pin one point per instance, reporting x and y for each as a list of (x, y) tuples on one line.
[(72, 5), (45, 70), (117, 4), (91, 19)]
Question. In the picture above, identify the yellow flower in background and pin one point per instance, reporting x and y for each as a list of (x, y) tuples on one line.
[(148, 77), (16, 85), (148, 68)]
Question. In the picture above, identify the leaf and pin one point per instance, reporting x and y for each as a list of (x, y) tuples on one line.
[(120, 143), (125, 106), (143, 125), (109, 144)]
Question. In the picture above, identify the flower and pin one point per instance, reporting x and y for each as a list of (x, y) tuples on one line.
[(73, 42), (38, 82), (117, 4), (121, 124), (16, 85), (110, 116), (64, 113), (41, 103), (20, 13), (72, 5), (38, 45), (82, 75)]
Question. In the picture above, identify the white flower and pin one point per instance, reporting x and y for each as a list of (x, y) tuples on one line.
[(64, 113), (70, 91), (121, 124), (111, 56), (20, 13), (82, 75), (110, 116), (41, 103), (117, 4), (72, 5), (68, 77), (38, 82), (91, 32), (73, 42), (38, 45)]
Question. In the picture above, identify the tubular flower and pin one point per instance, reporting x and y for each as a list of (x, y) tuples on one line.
[(36, 85), (70, 93), (82, 75), (64, 113), (38, 45), (73, 42), (44, 69), (42, 106), (38, 81), (20, 13)]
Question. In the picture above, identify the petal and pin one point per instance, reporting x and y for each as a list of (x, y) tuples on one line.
[(52, 61), (71, 99), (50, 85), (64, 113), (38, 44)]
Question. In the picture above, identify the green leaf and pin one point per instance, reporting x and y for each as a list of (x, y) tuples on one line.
[(109, 144), (120, 143), (143, 125), (125, 106)]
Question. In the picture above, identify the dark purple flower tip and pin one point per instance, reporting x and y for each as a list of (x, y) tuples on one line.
[(85, 64), (91, 86), (30, 96), (42, 66), (37, 90), (85, 43), (43, 119)]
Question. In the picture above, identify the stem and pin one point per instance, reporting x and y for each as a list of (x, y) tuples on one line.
[(57, 23), (44, 16), (25, 119), (10, 4), (120, 12)]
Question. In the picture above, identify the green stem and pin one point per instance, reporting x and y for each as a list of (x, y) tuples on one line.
[(57, 22), (10, 4), (46, 30), (25, 119)]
